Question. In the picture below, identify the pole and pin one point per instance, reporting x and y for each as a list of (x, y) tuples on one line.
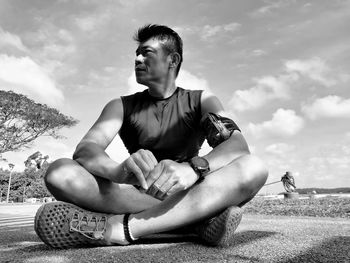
[(24, 193), (9, 186)]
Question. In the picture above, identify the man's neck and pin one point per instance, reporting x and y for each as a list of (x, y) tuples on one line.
[(162, 90)]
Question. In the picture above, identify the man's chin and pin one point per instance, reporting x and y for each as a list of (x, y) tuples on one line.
[(141, 81)]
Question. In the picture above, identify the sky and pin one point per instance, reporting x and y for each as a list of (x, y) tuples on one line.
[(280, 68)]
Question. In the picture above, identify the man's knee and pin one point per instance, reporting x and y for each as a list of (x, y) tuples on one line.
[(60, 174), (254, 174)]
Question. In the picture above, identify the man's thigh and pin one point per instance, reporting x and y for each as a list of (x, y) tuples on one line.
[(68, 181)]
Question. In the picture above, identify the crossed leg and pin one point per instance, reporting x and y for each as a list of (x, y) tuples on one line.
[(234, 184)]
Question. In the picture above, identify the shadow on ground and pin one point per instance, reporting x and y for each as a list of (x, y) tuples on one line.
[(22, 245), (335, 249)]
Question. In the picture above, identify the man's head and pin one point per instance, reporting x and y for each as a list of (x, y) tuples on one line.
[(159, 46)]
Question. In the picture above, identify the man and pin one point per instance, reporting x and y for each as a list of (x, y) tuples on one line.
[(163, 185)]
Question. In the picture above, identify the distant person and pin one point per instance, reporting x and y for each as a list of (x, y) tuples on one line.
[(163, 185), (288, 182)]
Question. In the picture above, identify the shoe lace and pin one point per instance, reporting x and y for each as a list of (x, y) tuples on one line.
[(89, 225)]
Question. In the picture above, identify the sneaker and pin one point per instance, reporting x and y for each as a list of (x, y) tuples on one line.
[(64, 225), (218, 231)]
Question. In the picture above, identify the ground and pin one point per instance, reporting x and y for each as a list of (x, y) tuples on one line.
[(259, 238)]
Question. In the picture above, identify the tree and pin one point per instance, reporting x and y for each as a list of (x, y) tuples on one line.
[(22, 121), (36, 159)]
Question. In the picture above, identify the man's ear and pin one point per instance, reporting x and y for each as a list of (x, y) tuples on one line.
[(175, 59)]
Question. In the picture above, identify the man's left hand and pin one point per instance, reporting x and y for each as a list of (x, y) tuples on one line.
[(169, 177)]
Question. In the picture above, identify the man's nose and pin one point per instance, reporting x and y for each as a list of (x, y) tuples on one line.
[(139, 59)]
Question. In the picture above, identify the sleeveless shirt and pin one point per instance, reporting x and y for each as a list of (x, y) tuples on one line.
[(169, 127)]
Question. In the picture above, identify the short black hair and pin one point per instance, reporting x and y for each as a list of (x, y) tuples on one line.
[(173, 42)]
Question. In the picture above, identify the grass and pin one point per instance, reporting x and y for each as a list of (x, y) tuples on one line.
[(318, 207)]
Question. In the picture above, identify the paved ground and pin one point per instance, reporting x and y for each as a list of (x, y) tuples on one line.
[(258, 239)]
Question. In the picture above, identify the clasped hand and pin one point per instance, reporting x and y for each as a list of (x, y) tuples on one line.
[(159, 180)]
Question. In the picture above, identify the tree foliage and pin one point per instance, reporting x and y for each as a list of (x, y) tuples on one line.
[(22, 121), (26, 184)]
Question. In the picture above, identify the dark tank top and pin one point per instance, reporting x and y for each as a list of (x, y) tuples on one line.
[(169, 127)]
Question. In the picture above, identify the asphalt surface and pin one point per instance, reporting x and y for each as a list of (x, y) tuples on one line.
[(258, 239)]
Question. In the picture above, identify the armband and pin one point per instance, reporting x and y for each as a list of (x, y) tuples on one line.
[(217, 128)]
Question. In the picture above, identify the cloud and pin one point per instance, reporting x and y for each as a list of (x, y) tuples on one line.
[(328, 163), (267, 88), (258, 53), (91, 22), (25, 76), (314, 68), (267, 9), (328, 107), (284, 123), (185, 80), (10, 40), (279, 148), (209, 31)]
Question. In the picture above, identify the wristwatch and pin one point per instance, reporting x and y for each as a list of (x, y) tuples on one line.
[(201, 166)]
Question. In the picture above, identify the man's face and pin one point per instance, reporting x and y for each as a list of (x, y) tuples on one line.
[(151, 62)]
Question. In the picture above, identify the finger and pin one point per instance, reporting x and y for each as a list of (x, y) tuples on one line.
[(134, 168), (154, 174), (157, 187), (165, 188), (152, 157), (152, 190), (142, 163), (150, 161), (161, 181)]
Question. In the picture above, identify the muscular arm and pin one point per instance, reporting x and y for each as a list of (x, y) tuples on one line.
[(228, 150), (90, 152)]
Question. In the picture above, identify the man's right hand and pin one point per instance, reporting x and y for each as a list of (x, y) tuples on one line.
[(135, 169)]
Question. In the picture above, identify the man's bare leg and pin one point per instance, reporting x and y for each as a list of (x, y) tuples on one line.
[(232, 185), (70, 182)]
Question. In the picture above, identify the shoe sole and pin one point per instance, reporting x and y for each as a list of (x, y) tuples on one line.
[(220, 231), (52, 225)]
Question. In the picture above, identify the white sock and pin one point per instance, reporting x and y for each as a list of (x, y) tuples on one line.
[(115, 230)]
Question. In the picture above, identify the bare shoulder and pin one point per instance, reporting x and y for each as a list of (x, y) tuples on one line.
[(114, 108), (211, 103), (108, 124)]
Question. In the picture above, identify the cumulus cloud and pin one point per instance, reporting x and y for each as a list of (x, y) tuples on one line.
[(23, 75), (284, 123), (314, 68), (267, 88), (279, 148), (10, 40), (185, 80), (327, 107)]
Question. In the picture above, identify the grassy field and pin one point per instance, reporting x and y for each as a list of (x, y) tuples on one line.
[(318, 207)]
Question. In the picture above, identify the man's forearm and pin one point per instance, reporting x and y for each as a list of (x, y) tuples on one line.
[(95, 160), (227, 151)]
